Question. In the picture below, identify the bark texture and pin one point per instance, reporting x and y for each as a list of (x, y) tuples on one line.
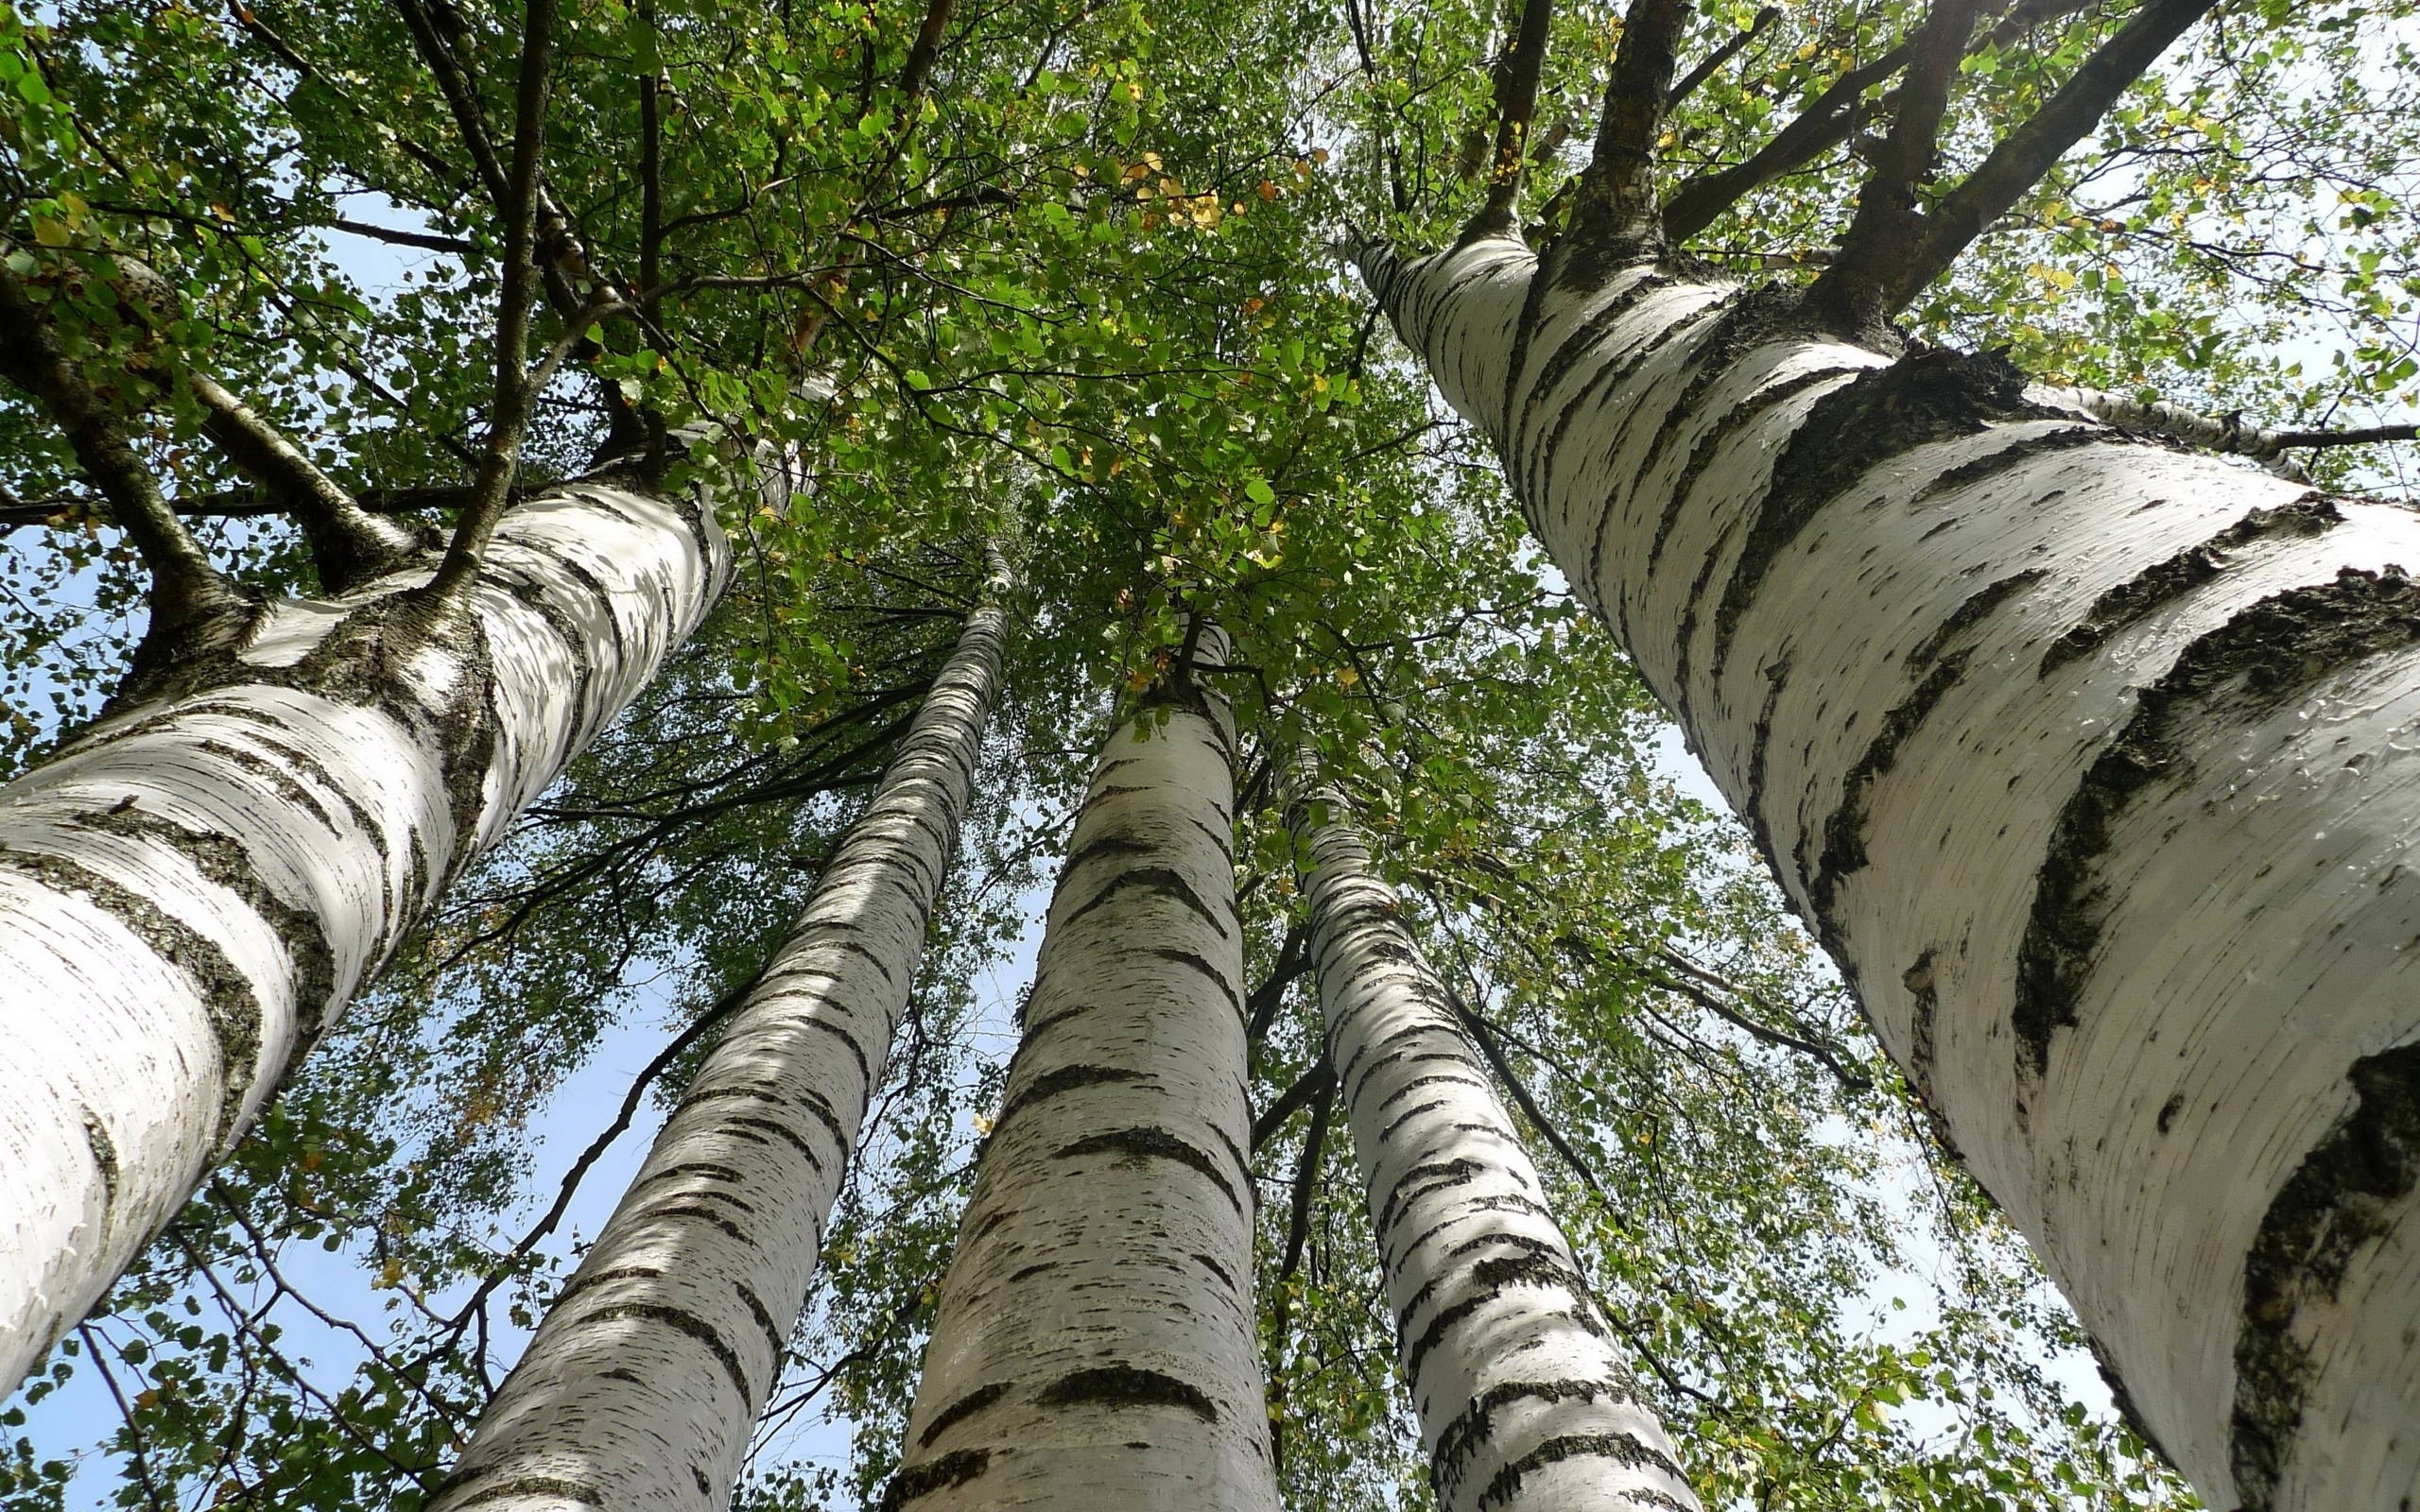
[(193, 888), (2091, 760), (643, 1384), (1093, 1346), (1525, 1403)]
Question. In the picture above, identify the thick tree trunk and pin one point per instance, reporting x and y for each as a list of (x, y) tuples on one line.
[(193, 888), (1525, 1404), (2089, 759), (644, 1382), (1093, 1349)]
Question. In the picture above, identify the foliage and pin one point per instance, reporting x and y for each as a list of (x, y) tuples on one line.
[(1077, 288)]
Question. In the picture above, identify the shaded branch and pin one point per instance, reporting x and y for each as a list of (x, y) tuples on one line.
[(2025, 154), (1294, 960), (1713, 61), (1317, 1082), (186, 588), (1882, 239), (1516, 108), (426, 241), (1829, 1056), (1825, 123), (1614, 205), (348, 543), (1483, 1034), (508, 411)]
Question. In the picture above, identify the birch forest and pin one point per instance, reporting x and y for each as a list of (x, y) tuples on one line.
[(1342, 755)]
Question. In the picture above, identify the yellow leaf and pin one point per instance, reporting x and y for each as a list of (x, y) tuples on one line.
[(49, 232)]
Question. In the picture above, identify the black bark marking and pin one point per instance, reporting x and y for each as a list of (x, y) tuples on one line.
[(917, 1482), (2010, 458), (704, 1214), (683, 1321), (784, 1132), (856, 1050), (1844, 831), (1492, 1278), (958, 1411), (1406, 1116), (1468, 1432), (227, 996), (2348, 1191), (1161, 881), (2155, 587), (1734, 419), (1580, 346), (1124, 1385), (1055, 1083), (1970, 612), (587, 1494), (1933, 396), (1609, 379), (1409, 1088), (1438, 1173), (1621, 1447), (764, 1317), (708, 1169), (1195, 961), (583, 1281), (2243, 671), (865, 953), (1139, 1145), (1210, 1263)]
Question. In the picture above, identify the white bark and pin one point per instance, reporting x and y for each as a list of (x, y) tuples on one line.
[(2092, 762), (1094, 1349), (1525, 1403), (192, 889), (644, 1382)]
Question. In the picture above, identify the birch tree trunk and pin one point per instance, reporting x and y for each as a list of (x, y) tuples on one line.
[(2090, 760), (1094, 1351), (194, 887), (643, 1384), (1525, 1404)]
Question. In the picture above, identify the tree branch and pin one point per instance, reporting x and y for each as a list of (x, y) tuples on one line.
[(509, 409), (1517, 107), (2021, 158), (1856, 290), (1615, 202), (1823, 124), (348, 543), (1316, 1082), (1294, 960), (187, 589), (1713, 61), (1483, 1034), (425, 240)]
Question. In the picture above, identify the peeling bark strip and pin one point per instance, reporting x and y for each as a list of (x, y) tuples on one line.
[(2093, 762), (1093, 1348), (193, 888), (1525, 1404), (646, 1376)]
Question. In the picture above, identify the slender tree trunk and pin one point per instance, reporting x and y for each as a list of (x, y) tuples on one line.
[(2090, 761), (194, 889), (1525, 1404), (643, 1384), (1094, 1349)]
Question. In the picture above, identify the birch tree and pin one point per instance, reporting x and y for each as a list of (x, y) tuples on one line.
[(1093, 1340), (1525, 1400), (2076, 750), (644, 1382)]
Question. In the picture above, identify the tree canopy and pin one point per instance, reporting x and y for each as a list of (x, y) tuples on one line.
[(1071, 278)]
